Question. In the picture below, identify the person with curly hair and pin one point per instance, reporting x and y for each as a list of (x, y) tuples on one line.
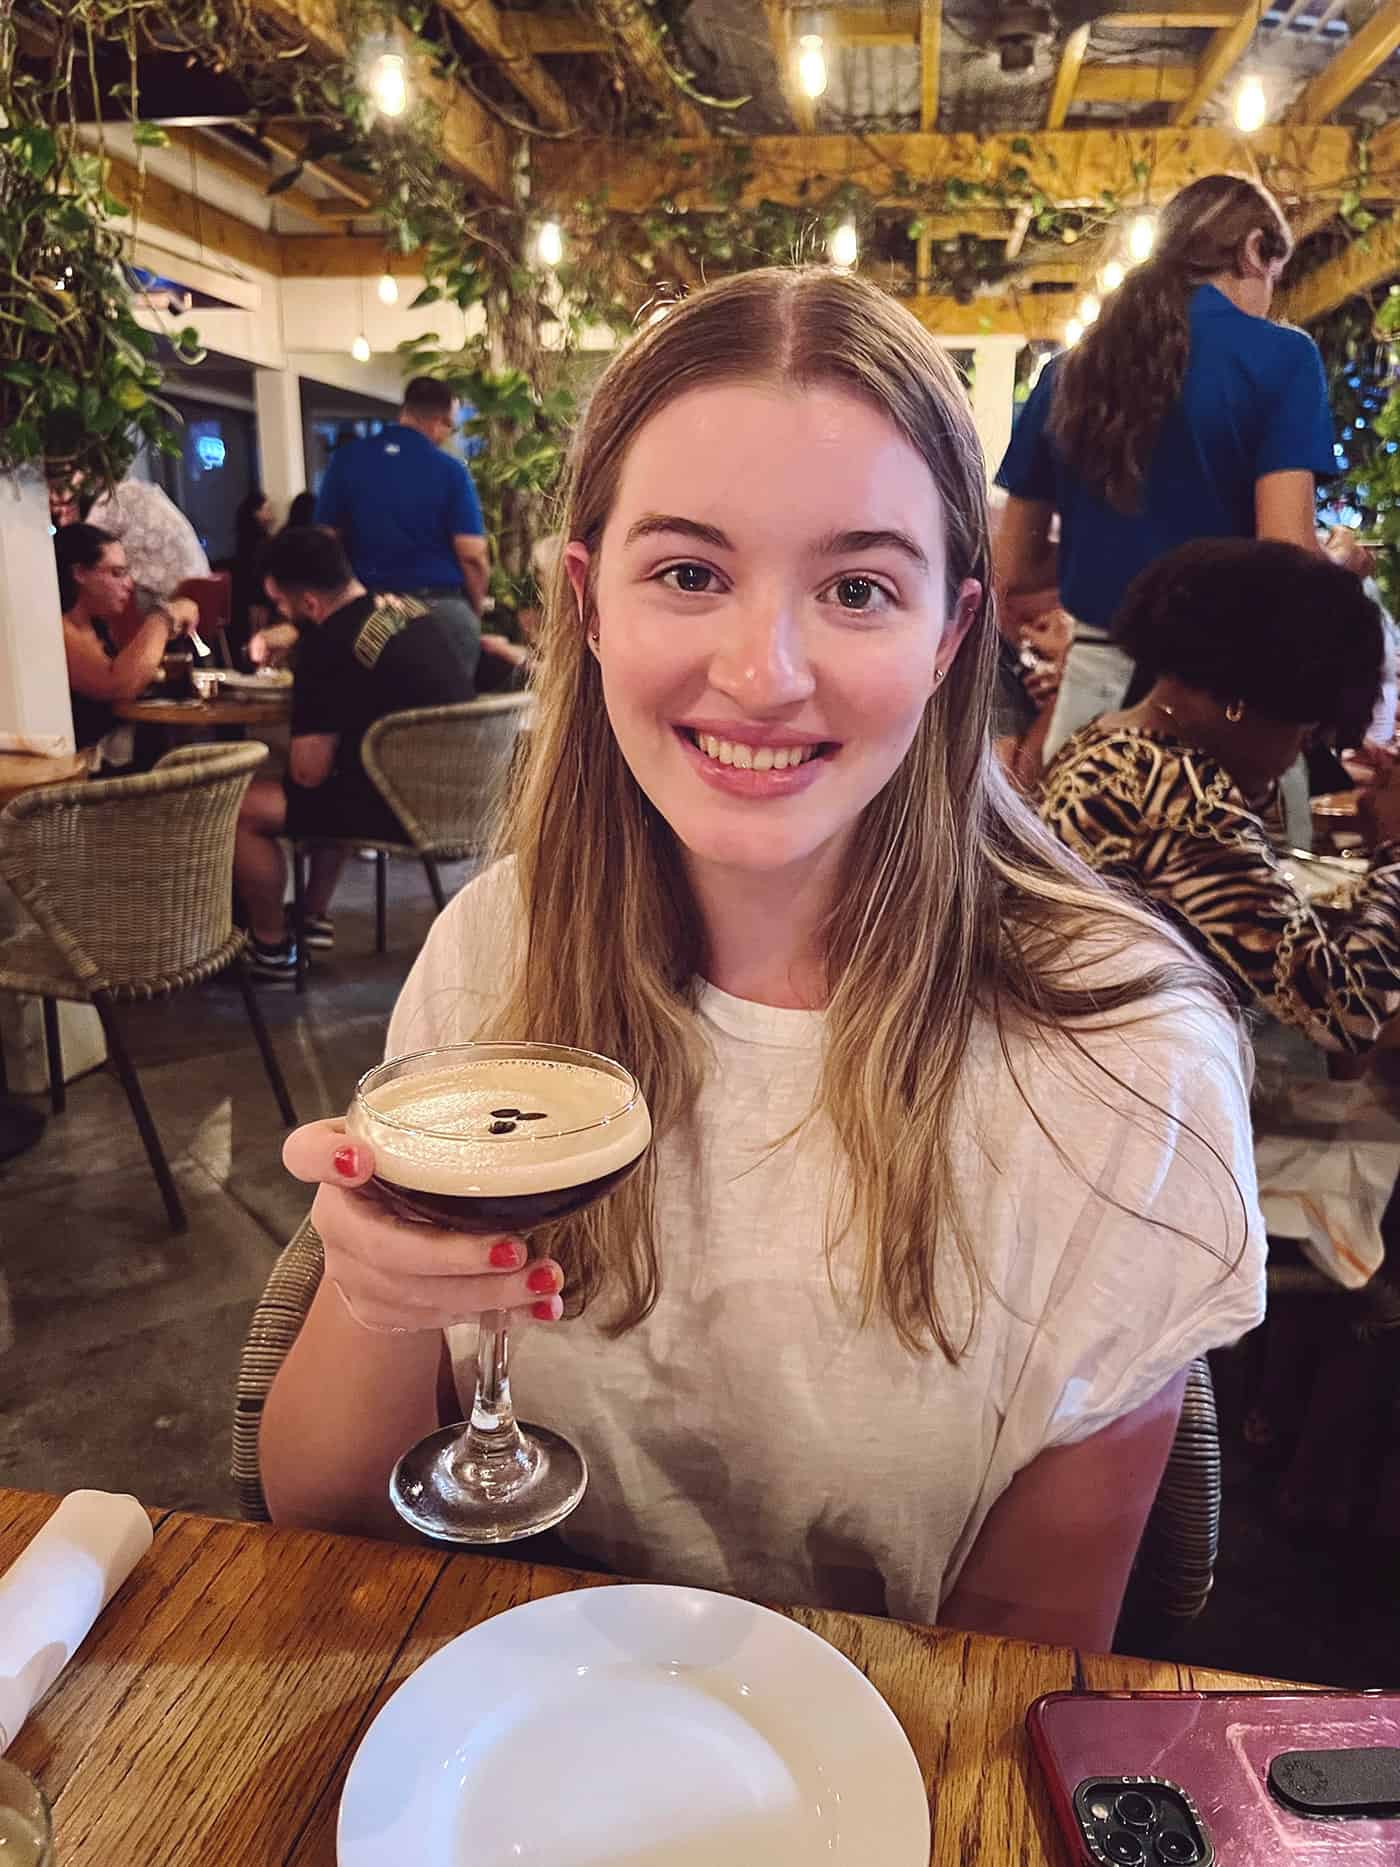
[(1182, 413), (1257, 645)]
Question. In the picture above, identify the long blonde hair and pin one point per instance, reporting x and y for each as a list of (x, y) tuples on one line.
[(954, 903), (1115, 388)]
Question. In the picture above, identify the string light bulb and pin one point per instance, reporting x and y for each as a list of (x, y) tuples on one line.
[(844, 246), (1089, 308), (388, 289), (388, 84), (1251, 106), (1142, 237), (811, 64), (1112, 276), (360, 349), (550, 243), (1074, 330)]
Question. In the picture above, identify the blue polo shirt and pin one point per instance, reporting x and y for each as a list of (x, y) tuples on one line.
[(1254, 402), (399, 501)]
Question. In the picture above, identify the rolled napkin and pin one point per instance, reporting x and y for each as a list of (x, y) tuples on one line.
[(51, 1595), (42, 745)]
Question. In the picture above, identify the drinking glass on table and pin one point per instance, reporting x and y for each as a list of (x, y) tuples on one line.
[(26, 1831), (488, 1139)]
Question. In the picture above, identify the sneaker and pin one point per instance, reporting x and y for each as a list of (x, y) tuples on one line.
[(320, 932), (272, 962)]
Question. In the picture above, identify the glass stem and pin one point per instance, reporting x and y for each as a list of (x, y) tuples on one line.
[(492, 1456), (492, 1412)]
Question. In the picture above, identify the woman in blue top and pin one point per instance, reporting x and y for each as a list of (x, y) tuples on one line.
[(1182, 413)]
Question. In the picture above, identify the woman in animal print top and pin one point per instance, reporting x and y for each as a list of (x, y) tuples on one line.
[(1256, 647)]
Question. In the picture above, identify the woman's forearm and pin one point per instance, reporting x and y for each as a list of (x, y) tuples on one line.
[(136, 664), (346, 1402)]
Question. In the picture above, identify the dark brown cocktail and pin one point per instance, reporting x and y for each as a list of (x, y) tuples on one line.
[(493, 1139)]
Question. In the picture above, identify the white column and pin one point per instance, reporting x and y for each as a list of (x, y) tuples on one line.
[(33, 673), (34, 701), (277, 397), (993, 394)]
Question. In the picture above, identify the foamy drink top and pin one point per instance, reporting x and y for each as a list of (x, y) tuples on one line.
[(500, 1127)]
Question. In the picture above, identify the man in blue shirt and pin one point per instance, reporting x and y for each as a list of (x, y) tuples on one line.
[(408, 512)]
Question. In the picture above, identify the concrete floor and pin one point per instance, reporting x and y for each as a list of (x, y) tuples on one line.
[(119, 1343)]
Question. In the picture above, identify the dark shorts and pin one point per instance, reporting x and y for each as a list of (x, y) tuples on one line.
[(340, 807)]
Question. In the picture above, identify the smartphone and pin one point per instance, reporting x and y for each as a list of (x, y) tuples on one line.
[(1223, 1779)]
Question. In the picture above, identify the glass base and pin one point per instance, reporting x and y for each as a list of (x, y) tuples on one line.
[(439, 1493)]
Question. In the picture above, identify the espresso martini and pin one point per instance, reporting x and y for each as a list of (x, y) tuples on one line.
[(492, 1144), (491, 1138)]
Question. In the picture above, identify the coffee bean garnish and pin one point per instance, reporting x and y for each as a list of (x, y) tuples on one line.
[(505, 1114), (537, 1115), (503, 1127)]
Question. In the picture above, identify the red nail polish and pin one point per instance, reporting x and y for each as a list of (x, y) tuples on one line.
[(543, 1312), (346, 1160), (505, 1256), (544, 1280)]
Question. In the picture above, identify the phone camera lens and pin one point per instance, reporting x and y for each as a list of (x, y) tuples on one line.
[(1135, 1810), (1125, 1849), (1175, 1848)]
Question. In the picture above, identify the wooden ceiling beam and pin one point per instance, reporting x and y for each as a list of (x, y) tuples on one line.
[(232, 162), (1134, 84), (291, 140), (1038, 317), (801, 108), (473, 144), (1184, 16), (930, 83), (556, 34), (498, 35), (1362, 55), (1227, 47), (930, 61), (1067, 77), (344, 256), (1067, 166), (1364, 265), (631, 32), (150, 200)]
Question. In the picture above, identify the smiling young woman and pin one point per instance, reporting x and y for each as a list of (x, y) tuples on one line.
[(952, 1174)]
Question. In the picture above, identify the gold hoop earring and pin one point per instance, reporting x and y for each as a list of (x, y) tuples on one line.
[(1235, 712)]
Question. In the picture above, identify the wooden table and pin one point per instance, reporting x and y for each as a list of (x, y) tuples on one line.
[(212, 1713), (228, 710), (24, 771)]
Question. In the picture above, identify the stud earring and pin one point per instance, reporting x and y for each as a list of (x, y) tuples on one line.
[(938, 674)]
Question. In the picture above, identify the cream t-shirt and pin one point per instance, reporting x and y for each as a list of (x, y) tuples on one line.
[(749, 1435)]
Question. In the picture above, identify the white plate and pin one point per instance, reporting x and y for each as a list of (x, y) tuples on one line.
[(632, 1726)]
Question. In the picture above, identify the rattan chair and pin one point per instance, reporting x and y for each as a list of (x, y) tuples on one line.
[(441, 771), (1176, 1560), (129, 887)]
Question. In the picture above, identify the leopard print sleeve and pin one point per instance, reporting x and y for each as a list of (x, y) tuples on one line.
[(1170, 821)]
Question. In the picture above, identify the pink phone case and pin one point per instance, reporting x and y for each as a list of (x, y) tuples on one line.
[(1217, 1746)]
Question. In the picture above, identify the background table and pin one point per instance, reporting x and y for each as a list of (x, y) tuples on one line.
[(212, 1713), (228, 710), (23, 771)]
